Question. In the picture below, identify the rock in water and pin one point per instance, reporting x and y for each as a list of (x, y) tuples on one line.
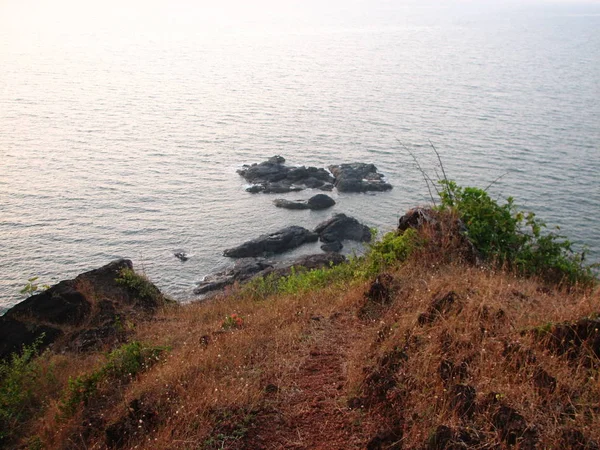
[(273, 176), (334, 246), (247, 268), (84, 310), (358, 177), (341, 227), (182, 256), (277, 242), (320, 201), (317, 202)]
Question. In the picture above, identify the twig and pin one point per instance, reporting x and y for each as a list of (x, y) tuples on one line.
[(425, 176), (494, 182), (443, 171)]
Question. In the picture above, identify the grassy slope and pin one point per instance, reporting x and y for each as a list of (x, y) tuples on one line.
[(332, 368)]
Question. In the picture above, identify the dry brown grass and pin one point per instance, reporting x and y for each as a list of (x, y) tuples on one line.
[(315, 371)]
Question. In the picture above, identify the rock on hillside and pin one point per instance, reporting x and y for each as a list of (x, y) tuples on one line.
[(82, 312)]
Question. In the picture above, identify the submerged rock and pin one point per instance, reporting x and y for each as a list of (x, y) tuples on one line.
[(341, 227), (358, 177), (272, 243), (273, 176), (334, 246), (80, 309), (248, 268), (317, 202)]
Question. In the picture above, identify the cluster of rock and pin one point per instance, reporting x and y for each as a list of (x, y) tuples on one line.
[(79, 314), (253, 253), (246, 269), (358, 177), (273, 176), (333, 231)]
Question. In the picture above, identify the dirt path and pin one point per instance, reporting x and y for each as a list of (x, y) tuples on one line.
[(310, 409)]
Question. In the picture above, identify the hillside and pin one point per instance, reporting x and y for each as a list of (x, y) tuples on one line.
[(421, 344)]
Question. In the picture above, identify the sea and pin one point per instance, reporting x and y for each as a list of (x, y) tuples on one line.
[(122, 124)]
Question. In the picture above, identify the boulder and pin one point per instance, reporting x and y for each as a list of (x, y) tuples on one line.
[(248, 268), (358, 177), (320, 201), (334, 246), (277, 242), (273, 176), (341, 227), (317, 202), (76, 307)]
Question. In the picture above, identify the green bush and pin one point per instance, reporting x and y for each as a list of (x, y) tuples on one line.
[(139, 285), (510, 237), (19, 378), (122, 364)]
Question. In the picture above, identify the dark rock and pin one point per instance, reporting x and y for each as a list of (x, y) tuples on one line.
[(513, 429), (440, 439), (277, 242), (242, 270), (273, 176), (80, 310), (181, 256), (248, 268), (380, 290), (573, 339), (334, 247), (574, 439), (388, 440), (358, 177), (462, 399), (438, 308), (320, 201), (317, 202), (290, 204), (416, 218), (341, 227)]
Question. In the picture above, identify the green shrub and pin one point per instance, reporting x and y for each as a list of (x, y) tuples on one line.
[(510, 237), (139, 285), (122, 364), (393, 248), (19, 378)]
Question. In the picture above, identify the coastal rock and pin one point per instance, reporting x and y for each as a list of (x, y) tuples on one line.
[(317, 202), (273, 176), (358, 177), (277, 242), (248, 268), (334, 246), (416, 218), (242, 270), (341, 227), (73, 306)]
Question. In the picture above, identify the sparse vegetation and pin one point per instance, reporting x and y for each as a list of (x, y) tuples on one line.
[(139, 285), (408, 346)]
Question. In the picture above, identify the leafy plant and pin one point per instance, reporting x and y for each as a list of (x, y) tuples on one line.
[(232, 322), (511, 237), (122, 365), (19, 378), (139, 285), (32, 287)]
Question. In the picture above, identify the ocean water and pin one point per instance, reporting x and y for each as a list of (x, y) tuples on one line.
[(121, 128)]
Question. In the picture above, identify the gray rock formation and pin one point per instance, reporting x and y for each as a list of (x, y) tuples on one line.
[(358, 177), (273, 243), (317, 202)]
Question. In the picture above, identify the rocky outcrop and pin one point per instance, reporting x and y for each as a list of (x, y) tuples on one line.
[(358, 177), (273, 176), (273, 243), (82, 312), (317, 202), (416, 218), (248, 268), (339, 228)]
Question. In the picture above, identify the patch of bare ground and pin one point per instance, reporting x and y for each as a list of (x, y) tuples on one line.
[(309, 408)]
